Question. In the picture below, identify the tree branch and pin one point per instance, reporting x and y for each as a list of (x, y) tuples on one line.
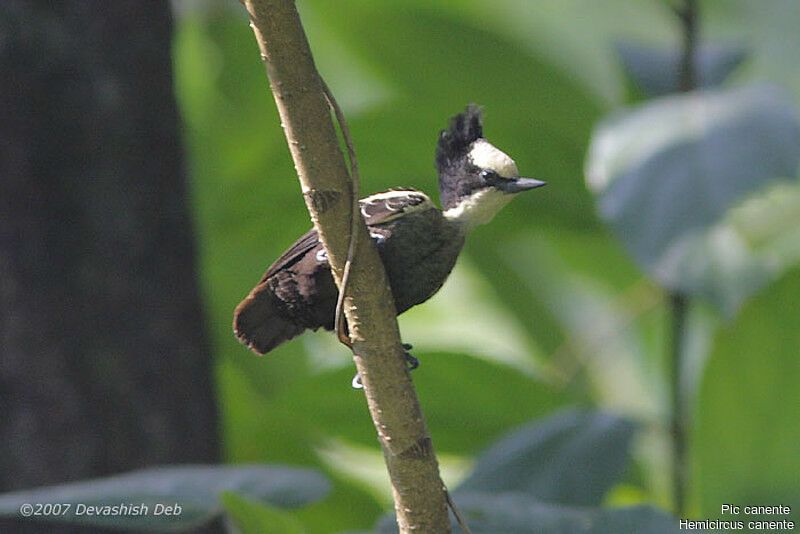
[(419, 493)]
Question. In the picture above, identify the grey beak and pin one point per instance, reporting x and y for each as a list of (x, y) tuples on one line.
[(517, 185)]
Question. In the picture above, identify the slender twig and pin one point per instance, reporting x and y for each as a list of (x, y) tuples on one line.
[(461, 522), (687, 71), (680, 415), (356, 181), (678, 303)]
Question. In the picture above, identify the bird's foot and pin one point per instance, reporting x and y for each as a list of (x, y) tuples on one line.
[(411, 360), (356, 382)]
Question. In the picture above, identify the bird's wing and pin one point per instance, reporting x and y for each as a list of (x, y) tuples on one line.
[(377, 209), (383, 207), (295, 253)]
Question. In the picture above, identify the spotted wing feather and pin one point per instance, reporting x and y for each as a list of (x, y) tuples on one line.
[(384, 207)]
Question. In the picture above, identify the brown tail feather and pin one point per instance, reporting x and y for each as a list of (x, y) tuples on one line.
[(258, 323)]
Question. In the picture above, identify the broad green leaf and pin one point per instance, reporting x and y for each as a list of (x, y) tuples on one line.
[(676, 165), (257, 518), (752, 245), (747, 436), (655, 70), (190, 491), (493, 513), (569, 458)]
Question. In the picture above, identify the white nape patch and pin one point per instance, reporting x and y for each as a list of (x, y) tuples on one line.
[(485, 155), (478, 208)]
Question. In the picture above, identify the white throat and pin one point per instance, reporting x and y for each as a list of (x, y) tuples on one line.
[(478, 208)]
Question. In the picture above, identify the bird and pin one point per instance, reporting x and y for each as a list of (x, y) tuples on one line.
[(418, 243)]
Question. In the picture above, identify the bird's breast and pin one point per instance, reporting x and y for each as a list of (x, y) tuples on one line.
[(418, 252)]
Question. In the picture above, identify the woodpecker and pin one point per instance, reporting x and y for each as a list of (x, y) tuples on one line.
[(418, 243)]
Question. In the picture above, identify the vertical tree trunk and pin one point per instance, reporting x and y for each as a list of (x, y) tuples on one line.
[(104, 359)]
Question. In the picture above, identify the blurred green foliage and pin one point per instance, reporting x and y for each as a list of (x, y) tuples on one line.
[(666, 171), (546, 308)]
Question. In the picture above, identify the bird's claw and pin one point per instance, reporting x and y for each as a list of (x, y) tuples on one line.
[(356, 382), (411, 360)]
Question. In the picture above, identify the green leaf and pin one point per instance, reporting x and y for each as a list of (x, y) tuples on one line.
[(675, 166), (752, 245), (747, 434), (257, 518), (191, 491), (655, 70), (491, 513), (569, 458)]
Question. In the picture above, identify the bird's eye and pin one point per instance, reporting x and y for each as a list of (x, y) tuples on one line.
[(488, 175)]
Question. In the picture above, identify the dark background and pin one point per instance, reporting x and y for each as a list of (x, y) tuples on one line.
[(105, 360)]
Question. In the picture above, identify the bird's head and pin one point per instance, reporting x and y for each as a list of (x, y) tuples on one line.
[(476, 179)]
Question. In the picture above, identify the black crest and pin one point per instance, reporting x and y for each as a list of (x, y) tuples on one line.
[(465, 128)]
